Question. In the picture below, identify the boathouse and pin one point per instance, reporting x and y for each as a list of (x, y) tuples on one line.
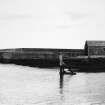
[(94, 48)]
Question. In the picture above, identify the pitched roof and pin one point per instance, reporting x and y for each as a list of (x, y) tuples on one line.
[(95, 43)]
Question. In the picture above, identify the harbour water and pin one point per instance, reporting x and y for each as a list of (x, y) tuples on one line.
[(21, 85)]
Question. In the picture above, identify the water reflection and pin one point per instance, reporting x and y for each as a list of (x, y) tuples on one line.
[(61, 83)]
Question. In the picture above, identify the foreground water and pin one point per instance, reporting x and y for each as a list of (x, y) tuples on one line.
[(21, 85)]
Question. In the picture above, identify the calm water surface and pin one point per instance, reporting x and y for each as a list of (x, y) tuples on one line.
[(21, 85)]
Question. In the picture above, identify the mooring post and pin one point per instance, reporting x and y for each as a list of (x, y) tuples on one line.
[(61, 64), (61, 72)]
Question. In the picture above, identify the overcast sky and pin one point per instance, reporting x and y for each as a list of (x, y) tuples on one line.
[(51, 23)]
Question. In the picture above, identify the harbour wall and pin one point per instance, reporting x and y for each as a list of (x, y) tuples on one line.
[(75, 58)]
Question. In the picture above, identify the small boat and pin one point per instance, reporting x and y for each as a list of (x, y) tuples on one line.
[(69, 73), (66, 71)]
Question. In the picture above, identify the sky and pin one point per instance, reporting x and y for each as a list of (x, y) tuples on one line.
[(51, 23)]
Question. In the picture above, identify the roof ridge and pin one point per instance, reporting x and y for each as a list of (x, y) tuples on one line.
[(95, 43)]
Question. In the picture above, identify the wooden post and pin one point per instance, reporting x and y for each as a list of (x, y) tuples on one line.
[(61, 64)]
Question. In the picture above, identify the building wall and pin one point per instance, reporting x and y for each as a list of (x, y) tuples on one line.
[(96, 50)]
